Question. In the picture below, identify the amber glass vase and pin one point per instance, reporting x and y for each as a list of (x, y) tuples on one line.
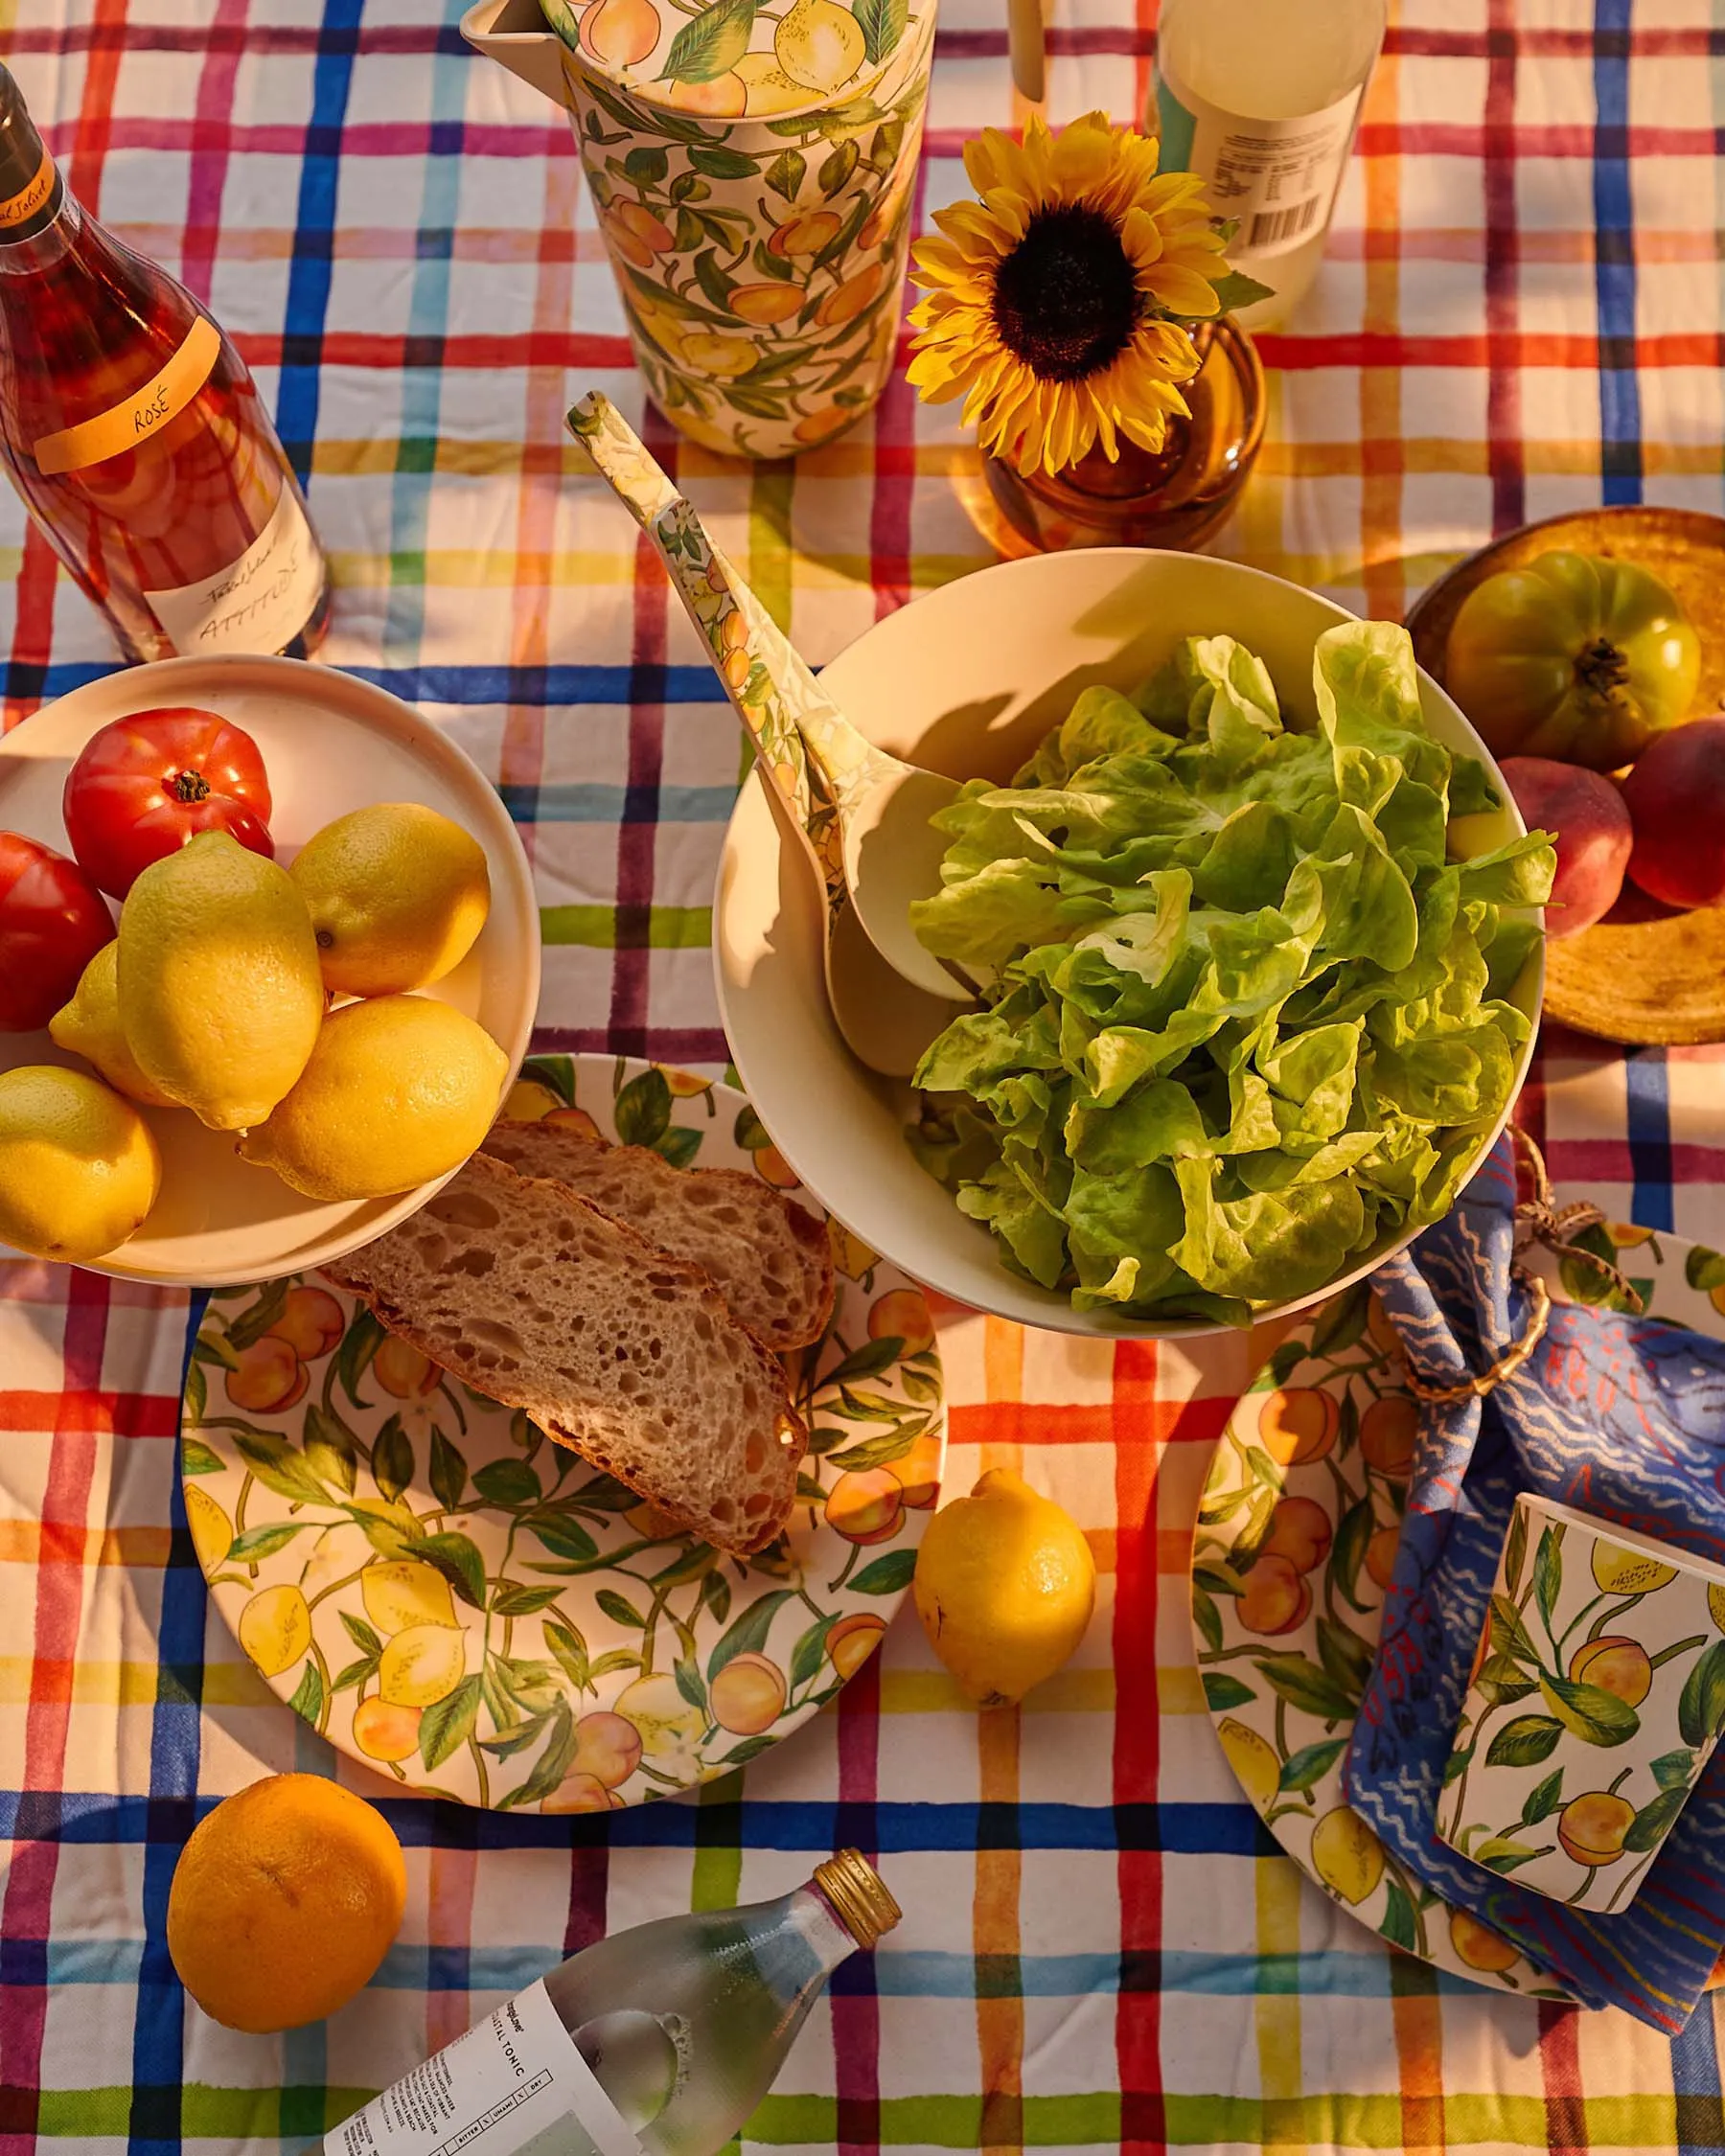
[(1181, 497)]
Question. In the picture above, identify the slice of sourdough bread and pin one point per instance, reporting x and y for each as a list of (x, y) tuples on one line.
[(527, 1292), (769, 1260)]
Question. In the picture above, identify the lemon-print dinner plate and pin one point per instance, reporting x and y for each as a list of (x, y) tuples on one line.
[(1311, 1472), (456, 1601)]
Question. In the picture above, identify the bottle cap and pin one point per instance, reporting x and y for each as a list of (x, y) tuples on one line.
[(858, 1896)]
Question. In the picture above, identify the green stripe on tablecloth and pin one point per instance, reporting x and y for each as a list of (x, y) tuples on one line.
[(669, 927)]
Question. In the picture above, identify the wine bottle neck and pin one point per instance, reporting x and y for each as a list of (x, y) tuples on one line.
[(31, 191)]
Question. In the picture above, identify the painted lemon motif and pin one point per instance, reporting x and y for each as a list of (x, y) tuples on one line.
[(1715, 1606), (769, 90), (212, 1531), (421, 1666), (398, 1596), (820, 44), (713, 354), (1629, 1572), (275, 1629), (1252, 1757), (1347, 1855), (527, 1101), (668, 1724)]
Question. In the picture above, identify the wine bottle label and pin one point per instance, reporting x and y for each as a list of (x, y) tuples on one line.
[(259, 603), (515, 2085), (1278, 178), (146, 412), (23, 214)]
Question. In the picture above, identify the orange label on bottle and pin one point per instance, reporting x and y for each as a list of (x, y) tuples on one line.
[(29, 198), (122, 426)]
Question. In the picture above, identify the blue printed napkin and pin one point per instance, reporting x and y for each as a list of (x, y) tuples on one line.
[(1620, 1417)]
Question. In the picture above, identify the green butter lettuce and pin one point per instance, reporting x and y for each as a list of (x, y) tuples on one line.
[(1248, 1016)]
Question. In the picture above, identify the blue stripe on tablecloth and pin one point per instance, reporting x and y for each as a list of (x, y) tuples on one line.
[(175, 1736), (1614, 265), (314, 235), (603, 804), (1647, 1128), (464, 686), (91, 1817), (1695, 2085)]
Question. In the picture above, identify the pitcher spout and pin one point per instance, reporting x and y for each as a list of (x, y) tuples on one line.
[(514, 33)]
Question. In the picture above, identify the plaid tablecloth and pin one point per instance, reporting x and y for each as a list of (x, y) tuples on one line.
[(1521, 311)]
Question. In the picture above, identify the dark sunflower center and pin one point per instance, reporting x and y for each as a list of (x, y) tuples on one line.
[(1065, 300)]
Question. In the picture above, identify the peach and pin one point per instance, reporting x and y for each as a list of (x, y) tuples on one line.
[(578, 1793), (1615, 1665), (1380, 1555), (1591, 1828), (1388, 1429), (866, 1506), (1300, 1531), (270, 1378), (747, 1696), (764, 304), (404, 1370), (1478, 1945), (903, 1314), (1276, 1598), (725, 98), (620, 32), (1298, 1426), (312, 1323), (1675, 795), (852, 1641), (806, 233), (382, 1732), (1585, 814), (608, 1746)]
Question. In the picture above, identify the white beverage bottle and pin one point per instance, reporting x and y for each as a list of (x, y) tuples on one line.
[(658, 2041), (1262, 97)]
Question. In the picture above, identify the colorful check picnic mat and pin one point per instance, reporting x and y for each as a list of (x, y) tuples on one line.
[(1521, 313)]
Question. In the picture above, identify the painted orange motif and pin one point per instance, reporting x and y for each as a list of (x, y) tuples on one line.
[(1619, 1666), (805, 234), (269, 1377), (725, 98), (1478, 1945), (382, 1732), (1591, 1827), (747, 1696), (851, 1642), (1277, 1598), (1388, 1430), (1299, 1426), (822, 426), (764, 304), (635, 232), (864, 1508), (851, 297), (1380, 1555), (608, 1746), (1300, 1531), (772, 1166), (903, 1314), (312, 1323), (404, 1370)]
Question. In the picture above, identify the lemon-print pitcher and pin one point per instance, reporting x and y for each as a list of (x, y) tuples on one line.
[(753, 162)]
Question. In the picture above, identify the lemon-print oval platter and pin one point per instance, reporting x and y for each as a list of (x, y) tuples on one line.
[(1295, 1537), (458, 1602)]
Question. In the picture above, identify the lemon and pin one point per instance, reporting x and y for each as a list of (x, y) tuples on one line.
[(212, 1531), (90, 1026), (78, 1167), (1005, 1584), (770, 90), (421, 1666), (397, 1092), (275, 1629), (398, 1596), (1715, 1606), (220, 992), (397, 895), (1253, 1759), (1347, 1855), (1617, 1571), (668, 1726), (818, 44)]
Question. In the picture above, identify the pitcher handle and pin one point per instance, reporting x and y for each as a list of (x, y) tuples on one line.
[(1024, 42)]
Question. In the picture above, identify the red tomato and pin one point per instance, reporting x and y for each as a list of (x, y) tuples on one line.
[(146, 784), (52, 923)]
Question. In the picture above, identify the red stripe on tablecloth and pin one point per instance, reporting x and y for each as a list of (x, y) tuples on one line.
[(211, 144), (1138, 1417), (1595, 1160), (1043, 1422), (129, 1414), (1560, 2070), (855, 2015), (1503, 391), (26, 1907)]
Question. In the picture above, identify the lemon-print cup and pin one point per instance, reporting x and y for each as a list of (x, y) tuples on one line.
[(753, 164), (1597, 1694)]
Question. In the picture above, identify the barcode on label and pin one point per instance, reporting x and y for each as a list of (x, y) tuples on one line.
[(1271, 227)]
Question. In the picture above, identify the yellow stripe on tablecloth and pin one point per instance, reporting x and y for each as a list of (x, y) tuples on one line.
[(1383, 456), (137, 1683), (1275, 2014)]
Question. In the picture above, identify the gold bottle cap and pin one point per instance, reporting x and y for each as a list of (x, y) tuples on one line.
[(858, 1896)]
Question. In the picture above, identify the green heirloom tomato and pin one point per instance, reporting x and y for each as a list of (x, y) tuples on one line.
[(1576, 658)]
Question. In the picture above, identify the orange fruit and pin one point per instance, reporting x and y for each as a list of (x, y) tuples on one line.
[(284, 1902)]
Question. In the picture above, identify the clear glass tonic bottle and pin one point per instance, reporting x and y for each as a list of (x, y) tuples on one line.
[(662, 2039)]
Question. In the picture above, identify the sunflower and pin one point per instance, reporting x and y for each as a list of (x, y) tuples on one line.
[(1055, 303)]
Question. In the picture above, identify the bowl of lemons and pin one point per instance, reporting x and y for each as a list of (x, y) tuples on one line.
[(269, 957)]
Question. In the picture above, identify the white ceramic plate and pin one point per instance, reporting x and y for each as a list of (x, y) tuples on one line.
[(330, 743), (967, 680), (451, 1598), (1327, 1431)]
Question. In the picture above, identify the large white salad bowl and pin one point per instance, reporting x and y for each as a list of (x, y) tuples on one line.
[(966, 681)]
